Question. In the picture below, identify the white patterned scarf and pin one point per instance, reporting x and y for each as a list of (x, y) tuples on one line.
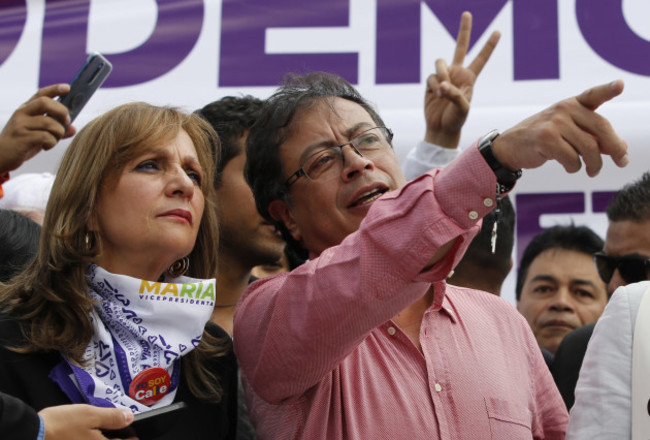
[(142, 329)]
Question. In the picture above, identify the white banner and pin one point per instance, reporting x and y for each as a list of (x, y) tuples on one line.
[(190, 52)]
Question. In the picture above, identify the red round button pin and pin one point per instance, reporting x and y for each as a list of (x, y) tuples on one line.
[(150, 385)]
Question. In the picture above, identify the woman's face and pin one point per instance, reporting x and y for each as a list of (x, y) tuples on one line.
[(149, 216)]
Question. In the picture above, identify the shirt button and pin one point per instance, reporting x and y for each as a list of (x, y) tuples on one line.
[(391, 331), (488, 202), (438, 387), (473, 215), (450, 274)]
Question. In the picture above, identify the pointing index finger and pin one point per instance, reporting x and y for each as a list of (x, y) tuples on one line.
[(609, 142), (594, 97)]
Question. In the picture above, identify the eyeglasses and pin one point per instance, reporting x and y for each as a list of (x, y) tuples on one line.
[(370, 143), (632, 268)]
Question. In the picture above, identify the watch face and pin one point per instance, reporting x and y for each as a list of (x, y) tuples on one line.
[(488, 138), (491, 136)]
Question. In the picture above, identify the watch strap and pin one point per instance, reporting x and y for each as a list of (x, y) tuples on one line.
[(505, 178)]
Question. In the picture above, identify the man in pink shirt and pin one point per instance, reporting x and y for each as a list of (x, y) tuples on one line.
[(366, 340)]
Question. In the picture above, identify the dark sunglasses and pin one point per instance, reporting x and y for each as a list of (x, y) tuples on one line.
[(632, 268)]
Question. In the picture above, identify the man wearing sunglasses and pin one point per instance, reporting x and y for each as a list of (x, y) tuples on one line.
[(625, 259), (626, 256), (605, 385)]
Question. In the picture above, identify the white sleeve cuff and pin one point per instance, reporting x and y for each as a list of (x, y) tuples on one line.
[(426, 156)]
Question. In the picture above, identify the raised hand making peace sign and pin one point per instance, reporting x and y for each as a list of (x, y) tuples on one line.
[(449, 90)]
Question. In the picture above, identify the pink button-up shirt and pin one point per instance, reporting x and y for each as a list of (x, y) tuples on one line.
[(322, 359)]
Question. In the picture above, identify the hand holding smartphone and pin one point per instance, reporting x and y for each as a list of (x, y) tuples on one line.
[(89, 78)]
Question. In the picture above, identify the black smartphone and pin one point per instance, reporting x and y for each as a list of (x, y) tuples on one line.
[(151, 424), (89, 78)]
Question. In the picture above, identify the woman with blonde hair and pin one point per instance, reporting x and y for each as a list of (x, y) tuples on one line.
[(113, 310)]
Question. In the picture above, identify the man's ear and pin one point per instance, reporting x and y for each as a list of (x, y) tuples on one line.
[(280, 211)]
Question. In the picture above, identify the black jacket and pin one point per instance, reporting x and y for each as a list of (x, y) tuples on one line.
[(18, 421)]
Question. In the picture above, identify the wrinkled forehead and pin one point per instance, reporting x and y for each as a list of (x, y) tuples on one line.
[(323, 120)]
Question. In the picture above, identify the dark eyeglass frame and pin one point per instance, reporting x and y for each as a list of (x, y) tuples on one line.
[(388, 135), (631, 267)]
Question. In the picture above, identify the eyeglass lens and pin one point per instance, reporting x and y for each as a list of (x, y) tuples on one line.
[(366, 144)]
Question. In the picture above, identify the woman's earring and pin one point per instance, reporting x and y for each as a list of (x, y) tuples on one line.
[(179, 268), (89, 241)]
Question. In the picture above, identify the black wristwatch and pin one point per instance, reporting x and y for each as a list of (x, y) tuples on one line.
[(505, 178)]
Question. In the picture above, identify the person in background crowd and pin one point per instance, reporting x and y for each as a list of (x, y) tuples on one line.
[(27, 132), (19, 236), (27, 193), (558, 288), (482, 268), (627, 243), (447, 102), (105, 314), (605, 387), (446, 107), (247, 240), (623, 261)]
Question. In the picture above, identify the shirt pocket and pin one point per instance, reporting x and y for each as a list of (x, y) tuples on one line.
[(508, 420)]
